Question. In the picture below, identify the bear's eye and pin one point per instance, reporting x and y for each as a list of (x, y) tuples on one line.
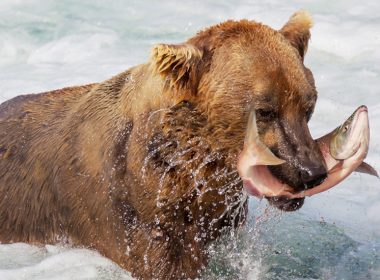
[(265, 114), (308, 114)]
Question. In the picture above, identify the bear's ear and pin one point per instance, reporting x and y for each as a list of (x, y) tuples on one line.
[(297, 31), (178, 63)]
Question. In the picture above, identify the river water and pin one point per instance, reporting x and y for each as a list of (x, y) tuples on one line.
[(48, 44)]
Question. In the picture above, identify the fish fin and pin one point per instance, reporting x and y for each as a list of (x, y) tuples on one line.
[(263, 154), (252, 134), (266, 157), (366, 168)]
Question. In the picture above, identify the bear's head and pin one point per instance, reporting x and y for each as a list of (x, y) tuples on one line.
[(230, 69)]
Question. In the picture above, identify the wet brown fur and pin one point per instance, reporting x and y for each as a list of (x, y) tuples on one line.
[(141, 167)]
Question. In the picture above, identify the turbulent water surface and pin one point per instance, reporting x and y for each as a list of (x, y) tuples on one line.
[(336, 235)]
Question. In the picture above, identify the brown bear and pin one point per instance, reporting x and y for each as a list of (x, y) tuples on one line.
[(142, 167)]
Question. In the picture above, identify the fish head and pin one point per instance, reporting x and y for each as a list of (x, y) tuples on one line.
[(347, 138)]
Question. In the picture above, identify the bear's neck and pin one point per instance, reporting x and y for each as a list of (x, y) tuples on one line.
[(182, 191)]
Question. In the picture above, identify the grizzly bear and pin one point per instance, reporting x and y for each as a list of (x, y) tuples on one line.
[(142, 167)]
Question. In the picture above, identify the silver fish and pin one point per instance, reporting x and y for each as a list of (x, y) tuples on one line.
[(344, 150)]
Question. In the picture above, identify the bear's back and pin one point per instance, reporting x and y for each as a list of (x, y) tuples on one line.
[(29, 125)]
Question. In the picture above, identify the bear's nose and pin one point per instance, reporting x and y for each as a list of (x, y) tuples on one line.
[(313, 175)]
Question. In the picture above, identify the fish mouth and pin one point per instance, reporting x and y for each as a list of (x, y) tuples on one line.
[(358, 119)]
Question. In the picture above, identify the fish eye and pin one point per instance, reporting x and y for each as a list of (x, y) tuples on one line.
[(345, 128)]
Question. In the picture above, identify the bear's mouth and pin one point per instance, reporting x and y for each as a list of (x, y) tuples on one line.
[(259, 181)]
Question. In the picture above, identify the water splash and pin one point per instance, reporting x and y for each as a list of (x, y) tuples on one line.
[(266, 249)]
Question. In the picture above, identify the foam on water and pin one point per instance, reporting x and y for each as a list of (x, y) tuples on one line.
[(336, 235), (21, 261)]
